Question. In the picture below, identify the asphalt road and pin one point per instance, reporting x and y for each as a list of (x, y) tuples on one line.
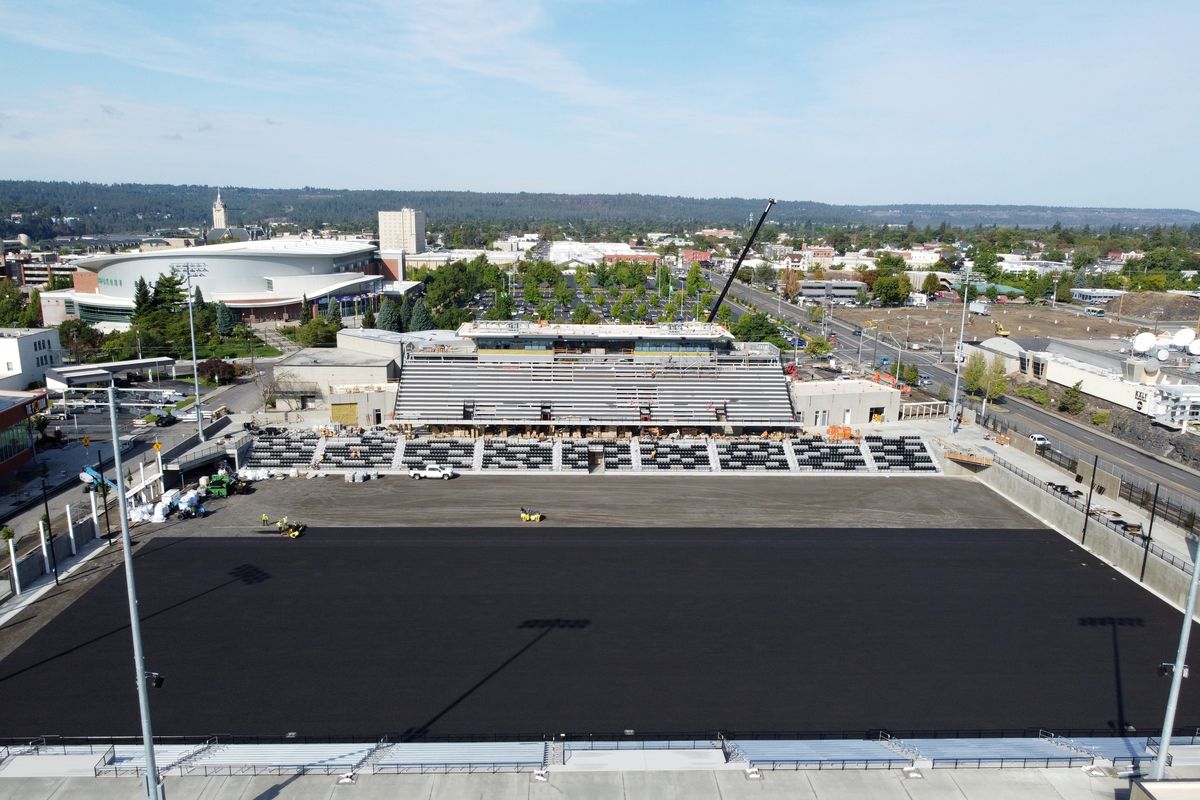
[(1026, 416)]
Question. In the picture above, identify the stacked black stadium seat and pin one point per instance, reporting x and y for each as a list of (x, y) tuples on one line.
[(371, 450), (617, 456), (900, 454), (815, 454), (518, 454), (752, 454), (575, 455), (274, 449), (674, 454), (457, 453)]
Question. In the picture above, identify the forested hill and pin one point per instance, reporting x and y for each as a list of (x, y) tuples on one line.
[(131, 207)]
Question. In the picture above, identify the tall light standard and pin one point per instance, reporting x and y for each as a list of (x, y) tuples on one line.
[(959, 355), (154, 786), (186, 269), (1164, 744)]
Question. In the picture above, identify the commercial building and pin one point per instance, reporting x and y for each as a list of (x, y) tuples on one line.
[(16, 430), (838, 290), (258, 280), (26, 354), (1161, 384), (1095, 297)]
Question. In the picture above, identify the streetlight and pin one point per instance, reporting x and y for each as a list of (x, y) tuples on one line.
[(154, 785), (959, 356)]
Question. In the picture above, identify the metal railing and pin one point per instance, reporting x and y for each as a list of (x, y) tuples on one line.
[(986, 762), (1175, 508), (832, 763), (107, 758), (1137, 538)]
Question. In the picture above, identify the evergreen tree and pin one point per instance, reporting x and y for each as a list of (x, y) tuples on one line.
[(368, 318), (225, 321), (198, 299), (389, 317), (404, 309), (143, 301), (168, 293), (333, 312), (31, 315), (419, 320), (1072, 401)]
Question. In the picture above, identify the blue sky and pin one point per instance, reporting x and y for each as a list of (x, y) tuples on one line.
[(1056, 103)]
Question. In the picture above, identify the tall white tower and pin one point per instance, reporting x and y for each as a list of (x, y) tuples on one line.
[(402, 230), (219, 212)]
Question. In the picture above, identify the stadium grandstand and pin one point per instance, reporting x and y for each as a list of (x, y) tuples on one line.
[(594, 377), (516, 396)]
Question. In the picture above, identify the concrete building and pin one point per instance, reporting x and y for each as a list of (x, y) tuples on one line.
[(265, 279), (16, 431), (401, 237), (26, 354), (843, 402), (357, 380), (402, 230)]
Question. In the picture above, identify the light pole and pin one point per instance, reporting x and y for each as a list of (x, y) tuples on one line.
[(959, 355), (186, 269), (1164, 744), (154, 786)]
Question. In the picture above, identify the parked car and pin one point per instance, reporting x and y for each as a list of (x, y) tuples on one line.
[(431, 471)]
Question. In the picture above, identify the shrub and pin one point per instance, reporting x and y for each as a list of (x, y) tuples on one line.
[(1034, 393), (1101, 417)]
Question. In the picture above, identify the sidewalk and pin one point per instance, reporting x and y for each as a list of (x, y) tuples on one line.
[(974, 437)]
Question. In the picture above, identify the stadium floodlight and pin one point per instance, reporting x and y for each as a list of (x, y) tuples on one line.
[(186, 270), (154, 785)]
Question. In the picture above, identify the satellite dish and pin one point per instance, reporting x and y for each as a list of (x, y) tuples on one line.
[(1143, 342), (1194, 347), (1163, 355), (1183, 337)]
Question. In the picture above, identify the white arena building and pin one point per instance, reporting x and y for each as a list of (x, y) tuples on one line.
[(258, 280)]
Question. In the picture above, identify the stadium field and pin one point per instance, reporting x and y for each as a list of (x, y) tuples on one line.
[(359, 632)]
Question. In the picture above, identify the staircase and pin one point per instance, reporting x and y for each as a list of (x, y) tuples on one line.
[(275, 339)]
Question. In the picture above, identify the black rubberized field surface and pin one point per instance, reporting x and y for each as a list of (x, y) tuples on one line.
[(528, 631)]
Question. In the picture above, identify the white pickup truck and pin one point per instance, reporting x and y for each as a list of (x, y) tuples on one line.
[(431, 471)]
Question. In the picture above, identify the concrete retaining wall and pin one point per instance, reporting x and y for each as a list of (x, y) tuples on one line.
[(1100, 540)]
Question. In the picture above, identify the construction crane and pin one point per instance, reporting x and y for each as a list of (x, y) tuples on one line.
[(733, 273)]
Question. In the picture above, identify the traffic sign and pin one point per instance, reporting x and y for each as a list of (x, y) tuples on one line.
[(87, 440), (158, 446)]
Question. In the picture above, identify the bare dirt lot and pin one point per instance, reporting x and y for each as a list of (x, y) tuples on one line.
[(928, 326)]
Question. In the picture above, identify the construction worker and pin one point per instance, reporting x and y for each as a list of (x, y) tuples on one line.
[(266, 520)]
